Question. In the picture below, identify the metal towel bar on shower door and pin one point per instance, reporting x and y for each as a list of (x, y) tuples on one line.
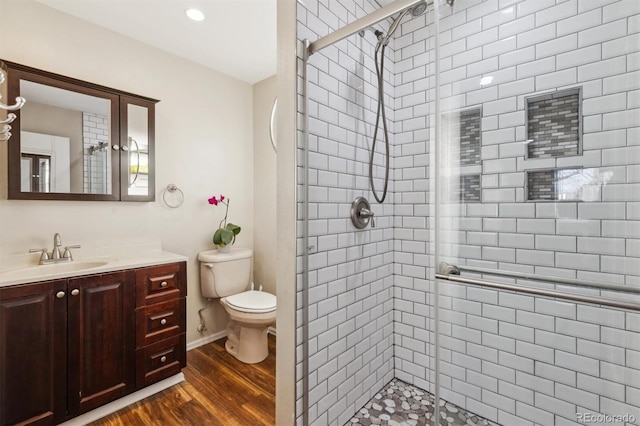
[(541, 292)]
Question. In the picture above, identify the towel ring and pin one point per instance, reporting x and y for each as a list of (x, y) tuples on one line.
[(171, 188)]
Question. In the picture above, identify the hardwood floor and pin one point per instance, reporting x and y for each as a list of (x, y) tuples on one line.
[(219, 390)]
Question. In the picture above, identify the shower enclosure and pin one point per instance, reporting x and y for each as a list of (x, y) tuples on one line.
[(501, 282)]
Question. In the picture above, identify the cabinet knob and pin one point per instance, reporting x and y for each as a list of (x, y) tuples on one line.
[(163, 321), (60, 294), (163, 284), (115, 147), (163, 359), (75, 292), (124, 148)]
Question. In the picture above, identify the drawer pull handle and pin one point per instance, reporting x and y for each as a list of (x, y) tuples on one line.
[(60, 294), (163, 284), (75, 292), (163, 321), (163, 359)]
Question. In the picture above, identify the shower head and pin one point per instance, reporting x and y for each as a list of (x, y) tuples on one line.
[(415, 11), (419, 9)]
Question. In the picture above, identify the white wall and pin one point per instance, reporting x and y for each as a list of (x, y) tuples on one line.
[(264, 185), (204, 145)]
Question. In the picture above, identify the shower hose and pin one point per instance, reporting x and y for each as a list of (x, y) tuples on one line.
[(381, 113)]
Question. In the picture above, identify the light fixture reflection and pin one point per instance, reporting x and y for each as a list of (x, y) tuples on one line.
[(486, 80), (194, 14)]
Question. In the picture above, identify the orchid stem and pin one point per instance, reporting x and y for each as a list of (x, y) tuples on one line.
[(224, 220)]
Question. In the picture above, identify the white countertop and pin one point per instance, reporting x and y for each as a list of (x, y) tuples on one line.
[(22, 269)]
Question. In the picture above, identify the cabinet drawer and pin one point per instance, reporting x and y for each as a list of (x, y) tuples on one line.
[(160, 283), (160, 321), (160, 360)]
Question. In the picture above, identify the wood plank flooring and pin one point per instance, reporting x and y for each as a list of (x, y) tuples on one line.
[(219, 390)]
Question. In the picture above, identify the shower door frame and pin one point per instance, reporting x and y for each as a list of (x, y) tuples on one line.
[(309, 48)]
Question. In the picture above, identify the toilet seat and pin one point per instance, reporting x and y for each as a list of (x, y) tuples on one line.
[(252, 301)]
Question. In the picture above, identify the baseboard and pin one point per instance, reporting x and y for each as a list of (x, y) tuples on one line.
[(125, 401), (207, 339), (215, 336)]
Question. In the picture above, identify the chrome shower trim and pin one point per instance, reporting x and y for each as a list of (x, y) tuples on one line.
[(363, 23), (620, 304), (548, 279)]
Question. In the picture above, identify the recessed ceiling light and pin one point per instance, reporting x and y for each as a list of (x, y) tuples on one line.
[(194, 14)]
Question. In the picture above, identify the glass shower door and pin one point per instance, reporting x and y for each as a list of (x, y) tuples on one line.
[(537, 176)]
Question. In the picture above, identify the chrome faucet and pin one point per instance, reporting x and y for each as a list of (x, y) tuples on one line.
[(55, 257), (55, 253)]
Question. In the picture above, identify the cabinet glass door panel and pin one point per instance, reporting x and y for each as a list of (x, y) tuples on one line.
[(137, 150)]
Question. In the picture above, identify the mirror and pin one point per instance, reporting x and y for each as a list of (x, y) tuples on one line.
[(76, 140), (72, 129), (138, 143)]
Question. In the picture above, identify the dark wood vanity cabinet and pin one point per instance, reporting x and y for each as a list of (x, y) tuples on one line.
[(160, 322), (101, 339), (33, 353), (69, 346)]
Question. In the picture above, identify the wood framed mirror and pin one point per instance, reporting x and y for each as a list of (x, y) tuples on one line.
[(75, 140)]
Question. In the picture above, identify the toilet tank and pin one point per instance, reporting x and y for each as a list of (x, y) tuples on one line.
[(224, 274)]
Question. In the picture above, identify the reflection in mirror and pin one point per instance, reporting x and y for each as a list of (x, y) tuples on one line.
[(138, 143), (72, 130)]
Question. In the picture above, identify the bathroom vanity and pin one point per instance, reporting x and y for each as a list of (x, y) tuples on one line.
[(74, 343)]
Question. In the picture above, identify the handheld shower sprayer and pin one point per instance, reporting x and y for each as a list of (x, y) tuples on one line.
[(383, 40)]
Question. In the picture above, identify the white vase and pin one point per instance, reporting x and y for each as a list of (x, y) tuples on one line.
[(224, 249)]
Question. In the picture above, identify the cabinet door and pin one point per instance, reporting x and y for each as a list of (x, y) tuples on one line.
[(101, 339), (137, 164), (33, 344)]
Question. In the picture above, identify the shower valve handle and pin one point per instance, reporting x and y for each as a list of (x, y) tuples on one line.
[(361, 214), (366, 213)]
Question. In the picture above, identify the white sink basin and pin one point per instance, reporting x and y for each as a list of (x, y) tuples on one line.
[(51, 269)]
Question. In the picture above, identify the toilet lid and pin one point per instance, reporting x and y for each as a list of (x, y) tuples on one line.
[(252, 301)]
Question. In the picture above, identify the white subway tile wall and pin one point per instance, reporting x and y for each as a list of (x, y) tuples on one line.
[(566, 357), (350, 340), (97, 165), (512, 358)]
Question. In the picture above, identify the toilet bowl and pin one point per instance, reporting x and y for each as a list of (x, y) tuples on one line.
[(227, 276), (250, 315)]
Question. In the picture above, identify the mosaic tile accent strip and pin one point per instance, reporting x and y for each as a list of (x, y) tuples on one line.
[(541, 185), (561, 185), (465, 126), (468, 190), (553, 125), (470, 137), (401, 404)]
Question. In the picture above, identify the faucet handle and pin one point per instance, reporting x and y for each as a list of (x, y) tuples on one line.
[(67, 252), (43, 256), (366, 213)]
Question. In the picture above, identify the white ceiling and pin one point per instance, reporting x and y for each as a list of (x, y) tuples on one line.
[(237, 37)]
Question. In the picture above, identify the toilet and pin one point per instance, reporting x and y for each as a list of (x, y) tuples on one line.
[(251, 312)]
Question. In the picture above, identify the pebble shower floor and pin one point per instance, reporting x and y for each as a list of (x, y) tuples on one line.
[(401, 404)]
